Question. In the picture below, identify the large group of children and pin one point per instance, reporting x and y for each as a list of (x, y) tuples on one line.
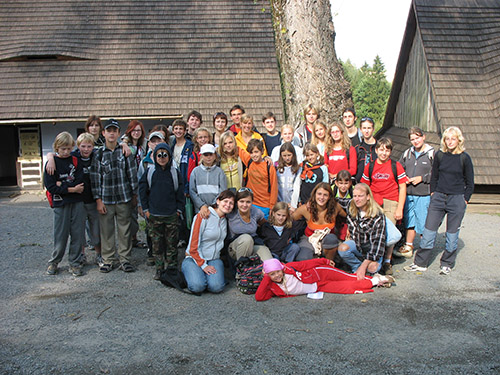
[(303, 199)]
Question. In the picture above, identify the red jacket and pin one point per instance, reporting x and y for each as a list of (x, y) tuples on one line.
[(304, 271)]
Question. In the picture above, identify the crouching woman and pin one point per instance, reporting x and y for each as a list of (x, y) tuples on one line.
[(202, 267)]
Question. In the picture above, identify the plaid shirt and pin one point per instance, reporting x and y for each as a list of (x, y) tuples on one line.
[(113, 176), (369, 235)]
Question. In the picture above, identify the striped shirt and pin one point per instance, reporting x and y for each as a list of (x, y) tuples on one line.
[(113, 176)]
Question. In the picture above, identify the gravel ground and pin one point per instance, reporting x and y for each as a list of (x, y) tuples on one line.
[(121, 323)]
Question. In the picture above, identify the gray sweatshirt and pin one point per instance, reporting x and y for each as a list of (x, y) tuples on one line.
[(205, 184)]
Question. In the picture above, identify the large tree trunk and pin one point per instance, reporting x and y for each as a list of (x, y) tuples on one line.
[(310, 71)]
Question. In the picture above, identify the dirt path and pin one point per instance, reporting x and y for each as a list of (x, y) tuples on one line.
[(121, 323)]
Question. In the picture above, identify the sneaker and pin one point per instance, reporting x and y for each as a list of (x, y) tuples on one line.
[(52, 269), (414, 268), (157, 275), (387, 269), (405, 251), (76, 271), (150, 261), (445, 270)]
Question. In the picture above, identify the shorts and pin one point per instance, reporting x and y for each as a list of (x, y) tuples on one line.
[(415, 212)]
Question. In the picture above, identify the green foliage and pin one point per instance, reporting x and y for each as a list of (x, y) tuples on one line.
[(370, 89)]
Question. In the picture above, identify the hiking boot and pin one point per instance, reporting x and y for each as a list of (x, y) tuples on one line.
[(75, 271), (445, 270), (150, 261), (405, 251), (387, 269), (157, 274), (414, 268), (52, 269)]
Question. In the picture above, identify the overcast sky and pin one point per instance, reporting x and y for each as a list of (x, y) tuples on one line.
[(366, 28)]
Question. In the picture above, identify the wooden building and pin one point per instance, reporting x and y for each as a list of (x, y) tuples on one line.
[(153, 60), (448, 74)]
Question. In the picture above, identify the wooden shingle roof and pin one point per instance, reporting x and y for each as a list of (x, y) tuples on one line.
[(71, 58), (461, 43)]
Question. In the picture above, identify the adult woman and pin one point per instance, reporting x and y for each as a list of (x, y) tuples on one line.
[(339, 153), (364, 251), (320, 213), (202, 267), (134, 137), (243, 223), (93, 125), (452, 184)]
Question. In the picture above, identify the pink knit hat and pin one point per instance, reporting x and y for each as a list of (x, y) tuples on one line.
[(271, 265)]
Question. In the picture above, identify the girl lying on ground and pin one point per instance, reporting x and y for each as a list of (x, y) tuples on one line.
[(310, 276)]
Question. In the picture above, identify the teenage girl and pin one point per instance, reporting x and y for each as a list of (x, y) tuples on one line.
[(310, 276), (313, 173), (220, 125), (230, 162), (339, 153), (288, 171), (201, 137), (287, 135), (93, 125), (319, 136), (277, 233), (134, 137), (305, 131)]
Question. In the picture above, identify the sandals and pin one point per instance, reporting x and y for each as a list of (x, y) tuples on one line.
[(139, 244), (105, 268), (127, 267)]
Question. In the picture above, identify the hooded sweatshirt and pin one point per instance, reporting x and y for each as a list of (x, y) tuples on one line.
[(158, 193)]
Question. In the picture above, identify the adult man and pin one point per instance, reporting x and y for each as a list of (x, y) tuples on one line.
[(114, 187), (366, 148), (349, 118)]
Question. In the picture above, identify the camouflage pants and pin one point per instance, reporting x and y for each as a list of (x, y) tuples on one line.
[(164, 229)]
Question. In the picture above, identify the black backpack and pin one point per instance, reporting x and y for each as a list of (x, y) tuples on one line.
[(174, 278), (248, 274)]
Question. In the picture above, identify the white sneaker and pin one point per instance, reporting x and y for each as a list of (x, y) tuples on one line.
[(445, 270), (414, 268)]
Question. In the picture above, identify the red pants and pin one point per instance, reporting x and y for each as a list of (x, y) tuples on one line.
[(333, 280)]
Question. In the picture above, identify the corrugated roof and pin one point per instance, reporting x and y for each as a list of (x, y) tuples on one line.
[(136, 58), (461, 42)]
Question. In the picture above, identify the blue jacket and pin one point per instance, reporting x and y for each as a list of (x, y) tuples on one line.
[(187, 150), (157, 193)]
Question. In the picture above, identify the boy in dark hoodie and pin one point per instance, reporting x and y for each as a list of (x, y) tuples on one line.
[(159, 187)]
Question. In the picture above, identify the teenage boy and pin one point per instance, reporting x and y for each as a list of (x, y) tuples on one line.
[(366, 149), (236, 112), (207, 180), (349, 118), (387, 180), (114, 186), (65, 187), (194, 121), (273, 137), (159, 188)]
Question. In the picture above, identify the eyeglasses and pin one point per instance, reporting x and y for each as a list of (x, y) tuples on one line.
[(245, 189), (367, 119), (208, 154), (162, 155), (136, 130)]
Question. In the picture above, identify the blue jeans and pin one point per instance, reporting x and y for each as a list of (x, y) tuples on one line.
[(289, 253), (353, 257), (198, 281)]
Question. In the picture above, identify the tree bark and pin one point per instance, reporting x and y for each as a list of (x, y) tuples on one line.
[(310, 71)]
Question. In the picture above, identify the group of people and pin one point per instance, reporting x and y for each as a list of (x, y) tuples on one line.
[(300, 198)]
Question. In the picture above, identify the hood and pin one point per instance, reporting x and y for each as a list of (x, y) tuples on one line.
[(163, 146)]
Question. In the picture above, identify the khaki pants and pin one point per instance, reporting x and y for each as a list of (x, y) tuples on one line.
[(121, 213), (244, 246), (390, 209)]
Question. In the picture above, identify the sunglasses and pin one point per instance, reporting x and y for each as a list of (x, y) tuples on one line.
[(245, 189), (162, 155), (367, 119)]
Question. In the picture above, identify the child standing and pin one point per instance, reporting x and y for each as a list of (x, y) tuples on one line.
[(200, 137), (260, 177), (387, 180), (342, 190), (310, 276), (207, 180), (287, 135), (230, 161), (288, 172), (159, 187), (277, 233), (66, 186), (313, 173), (272, 138)]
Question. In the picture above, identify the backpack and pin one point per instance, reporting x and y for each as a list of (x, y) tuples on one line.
[(173, 278), (248, 274), (50, 197), (393, 167), (245, 175)]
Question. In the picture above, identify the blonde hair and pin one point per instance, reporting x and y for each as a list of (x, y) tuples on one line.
[(288, 126), (345, 141), (313, 148), (224, 156), (453, 131), (373, 207), (280, 206), (85, 137), (245, 119), (315, 140), (310, 108), (64, 139), (195, 136)]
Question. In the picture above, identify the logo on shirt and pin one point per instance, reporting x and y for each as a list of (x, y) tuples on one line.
[(381, 176)]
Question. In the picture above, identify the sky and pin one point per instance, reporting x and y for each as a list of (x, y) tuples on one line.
[(367, 28)]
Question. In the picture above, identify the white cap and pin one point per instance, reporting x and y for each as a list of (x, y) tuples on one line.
[(156, 134), (207, 149)]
